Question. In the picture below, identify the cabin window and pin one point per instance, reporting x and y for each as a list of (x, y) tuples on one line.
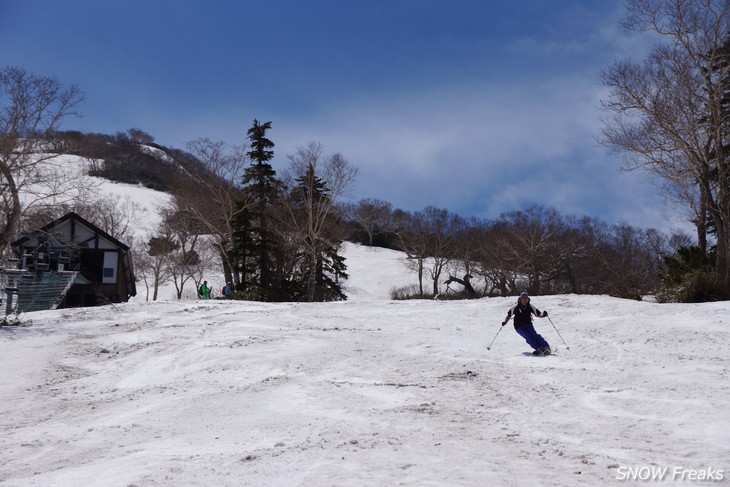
[(109, 272)]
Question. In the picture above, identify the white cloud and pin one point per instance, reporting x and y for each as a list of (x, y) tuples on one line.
[(483, 149)]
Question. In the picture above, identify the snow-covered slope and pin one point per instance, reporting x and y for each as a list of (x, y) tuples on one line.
[(363, 392), (147, 202), (374, 272), (142, 205)]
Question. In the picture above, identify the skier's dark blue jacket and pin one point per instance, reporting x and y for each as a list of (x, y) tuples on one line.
[(523, 314)]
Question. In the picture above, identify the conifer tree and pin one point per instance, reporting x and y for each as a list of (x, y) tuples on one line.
[(254, 240)]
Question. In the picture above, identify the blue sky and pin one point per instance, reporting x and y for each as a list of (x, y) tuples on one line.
[(477, 106)]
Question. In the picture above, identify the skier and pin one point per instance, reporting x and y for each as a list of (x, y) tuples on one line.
[(204, 291), (227, 289), (523, 312)]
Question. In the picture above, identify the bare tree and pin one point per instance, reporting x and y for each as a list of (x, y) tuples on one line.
[(140, 136), (669, 115), (31, 109), (530, 247), (626, 262), (468, 238), (577, 242), (413, 239), (441, 227), (318, 181), (374, 217), (143, 266), (214, 197), (116, 215), (158, 252), (183, 261)]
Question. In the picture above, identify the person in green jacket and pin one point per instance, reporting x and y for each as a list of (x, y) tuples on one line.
[(204, 291)]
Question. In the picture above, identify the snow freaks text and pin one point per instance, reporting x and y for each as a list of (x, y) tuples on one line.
[(666, 473)]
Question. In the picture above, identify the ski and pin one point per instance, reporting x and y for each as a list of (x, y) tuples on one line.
[(537, 353)]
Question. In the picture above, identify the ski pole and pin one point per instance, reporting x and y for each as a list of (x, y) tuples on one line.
[(556, 330), (495, 337)]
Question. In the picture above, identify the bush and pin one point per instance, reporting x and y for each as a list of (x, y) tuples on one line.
[(689, 278), (698, 286), (253, 293), (409, 292), (629, 293)]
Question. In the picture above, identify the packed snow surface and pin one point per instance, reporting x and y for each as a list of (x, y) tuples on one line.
[(368, 392)]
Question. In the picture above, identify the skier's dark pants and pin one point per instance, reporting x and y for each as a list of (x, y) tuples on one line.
[(531, 337)]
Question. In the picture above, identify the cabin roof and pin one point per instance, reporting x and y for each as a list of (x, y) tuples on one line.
[(68, 216)]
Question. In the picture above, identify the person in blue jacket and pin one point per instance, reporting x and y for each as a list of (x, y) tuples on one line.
[(522, 313)]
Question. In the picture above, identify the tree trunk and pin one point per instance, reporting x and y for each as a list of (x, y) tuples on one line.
[(571, 278), (722, 248), (13, 216), (420, 276), (535, 281), (702, 220), (466, 282), (312, 279), (227, 267)]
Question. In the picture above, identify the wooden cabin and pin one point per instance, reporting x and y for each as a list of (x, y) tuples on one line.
[(102, 264)]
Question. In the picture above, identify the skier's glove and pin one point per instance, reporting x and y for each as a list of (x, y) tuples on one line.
[(504, 323), (544, 314)]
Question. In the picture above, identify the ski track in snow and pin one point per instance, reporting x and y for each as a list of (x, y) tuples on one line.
[(364, 392)]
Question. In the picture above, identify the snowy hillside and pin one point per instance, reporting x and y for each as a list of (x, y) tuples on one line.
[(146, 202), (367, 392)]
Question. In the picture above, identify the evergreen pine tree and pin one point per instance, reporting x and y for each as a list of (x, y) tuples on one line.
[(254, 241)]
